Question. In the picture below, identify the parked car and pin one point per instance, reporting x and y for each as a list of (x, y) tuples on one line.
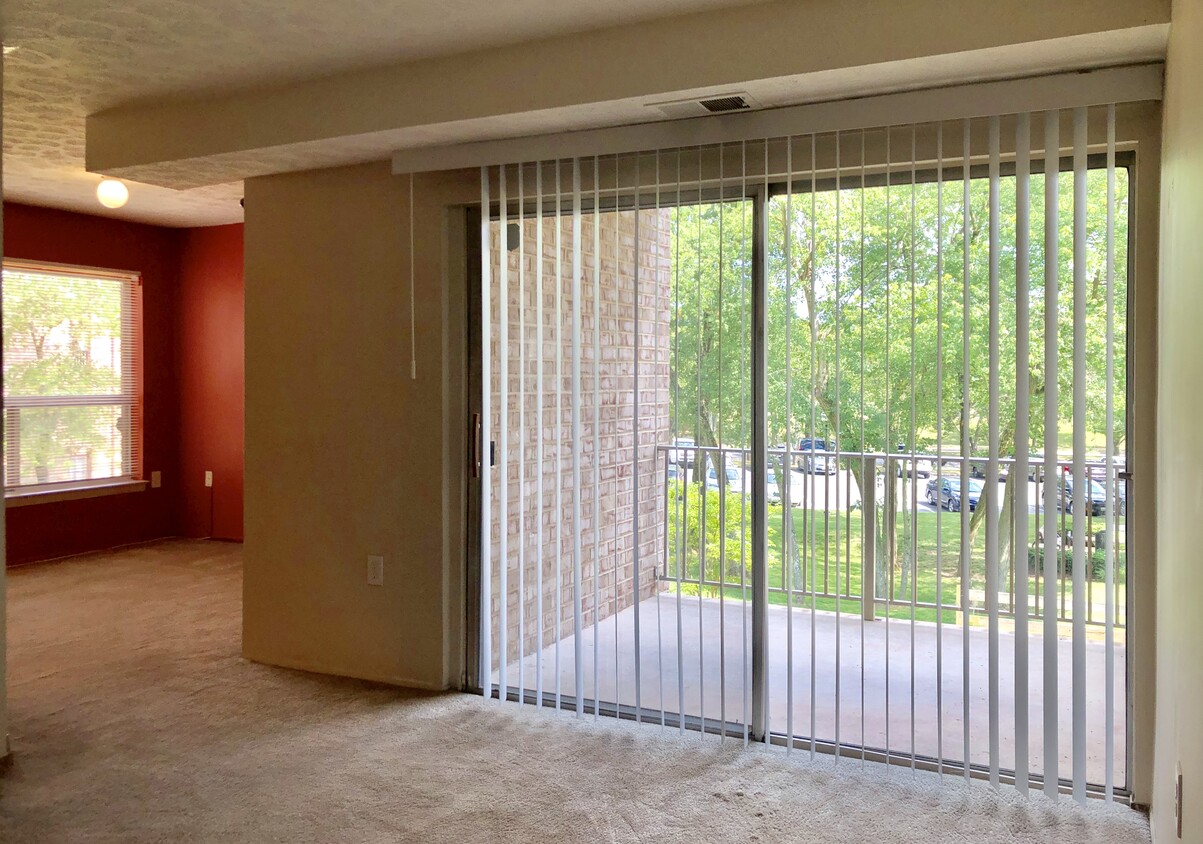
[(977, 469), (1096, 495), (734, 478), (772, 490), (921, 467), (1099, 473), (684, 453), (819, 462), (740, 480), (819, 465), (947, 493)]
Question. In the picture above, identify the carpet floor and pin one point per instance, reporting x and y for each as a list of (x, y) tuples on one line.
[(134, 718)]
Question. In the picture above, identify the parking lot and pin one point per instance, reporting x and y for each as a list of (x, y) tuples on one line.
[(840, 491)]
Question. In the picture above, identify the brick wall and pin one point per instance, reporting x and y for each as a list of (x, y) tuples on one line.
[(538, 414)]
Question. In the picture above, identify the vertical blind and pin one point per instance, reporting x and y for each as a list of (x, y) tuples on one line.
[(72, 385), (817, 440)]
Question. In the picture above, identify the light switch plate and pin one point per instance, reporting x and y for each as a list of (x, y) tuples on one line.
[(156, 480), (375, 570), (208, 478)]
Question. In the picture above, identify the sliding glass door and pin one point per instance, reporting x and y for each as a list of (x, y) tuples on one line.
[(817, 440)]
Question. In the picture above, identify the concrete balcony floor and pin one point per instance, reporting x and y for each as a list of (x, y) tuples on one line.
[(871, 656)]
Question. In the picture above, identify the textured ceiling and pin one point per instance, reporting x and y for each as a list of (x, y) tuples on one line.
[(75, 57)]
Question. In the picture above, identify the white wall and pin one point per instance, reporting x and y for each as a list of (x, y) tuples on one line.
[(1179, 736)]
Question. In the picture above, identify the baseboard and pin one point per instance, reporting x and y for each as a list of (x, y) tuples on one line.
[(90, 552), (316, 668)]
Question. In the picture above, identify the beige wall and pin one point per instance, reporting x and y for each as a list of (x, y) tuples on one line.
[(1179, 492), (346, 456)]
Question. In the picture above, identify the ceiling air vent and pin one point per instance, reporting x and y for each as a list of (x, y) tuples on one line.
[(732, 102), (717, 104)]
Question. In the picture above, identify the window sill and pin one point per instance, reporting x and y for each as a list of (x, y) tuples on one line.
[(17, 498)]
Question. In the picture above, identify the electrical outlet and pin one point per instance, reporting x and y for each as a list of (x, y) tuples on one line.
[(156, 480), (208, 478), (1178, 799), (375, 570)]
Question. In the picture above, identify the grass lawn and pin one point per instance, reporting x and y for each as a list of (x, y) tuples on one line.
[(830, 547)]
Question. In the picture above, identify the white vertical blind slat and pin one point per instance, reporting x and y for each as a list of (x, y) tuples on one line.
[(635, 461), (503, 492), (1019, 540), (524, 503), (540, 429), (1052, 165), (966, 157), (1080, 481), (992, 514), (559, 429), (596, 436), (577, 611), (1111, 502), (486, 429)]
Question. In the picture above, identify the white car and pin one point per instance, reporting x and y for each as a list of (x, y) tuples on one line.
[(920, 467), (684, 453), (739, 481)]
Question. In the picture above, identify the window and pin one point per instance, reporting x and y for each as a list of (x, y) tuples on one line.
[(72, 377)]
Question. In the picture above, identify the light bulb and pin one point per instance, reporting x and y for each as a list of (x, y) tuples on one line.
[(112, 193)]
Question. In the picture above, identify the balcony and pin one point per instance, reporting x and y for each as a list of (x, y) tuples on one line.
[(899, 676)]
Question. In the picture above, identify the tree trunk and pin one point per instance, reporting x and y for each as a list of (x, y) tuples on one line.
[(887, 536), (793, 552)]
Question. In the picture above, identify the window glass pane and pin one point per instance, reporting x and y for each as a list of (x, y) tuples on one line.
[(70, 443), (62, 335), (69, 377)]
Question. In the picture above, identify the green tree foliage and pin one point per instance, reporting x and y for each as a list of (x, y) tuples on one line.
[(690, 507), (867, 306)]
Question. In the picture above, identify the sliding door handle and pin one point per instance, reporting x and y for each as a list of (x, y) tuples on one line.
[(476, 435)]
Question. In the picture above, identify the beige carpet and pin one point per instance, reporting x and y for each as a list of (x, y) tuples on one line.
[(135, 719)]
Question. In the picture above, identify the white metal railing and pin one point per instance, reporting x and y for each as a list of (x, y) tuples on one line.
[(829, 484)]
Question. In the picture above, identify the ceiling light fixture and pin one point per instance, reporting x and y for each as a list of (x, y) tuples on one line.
[(112, 193)]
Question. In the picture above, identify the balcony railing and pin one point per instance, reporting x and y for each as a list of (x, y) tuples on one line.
[(836, 523)]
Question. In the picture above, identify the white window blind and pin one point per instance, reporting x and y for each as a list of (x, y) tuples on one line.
[(72, 376), (817, 440)]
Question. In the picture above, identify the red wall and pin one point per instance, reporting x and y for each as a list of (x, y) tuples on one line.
[(210, 332), (186, 326), (41, 531)]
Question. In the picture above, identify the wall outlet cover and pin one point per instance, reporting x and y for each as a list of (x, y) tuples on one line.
[(375, 570), (156, 480), (208, 478)]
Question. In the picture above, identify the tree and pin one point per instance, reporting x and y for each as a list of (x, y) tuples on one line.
[(867, 306)]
